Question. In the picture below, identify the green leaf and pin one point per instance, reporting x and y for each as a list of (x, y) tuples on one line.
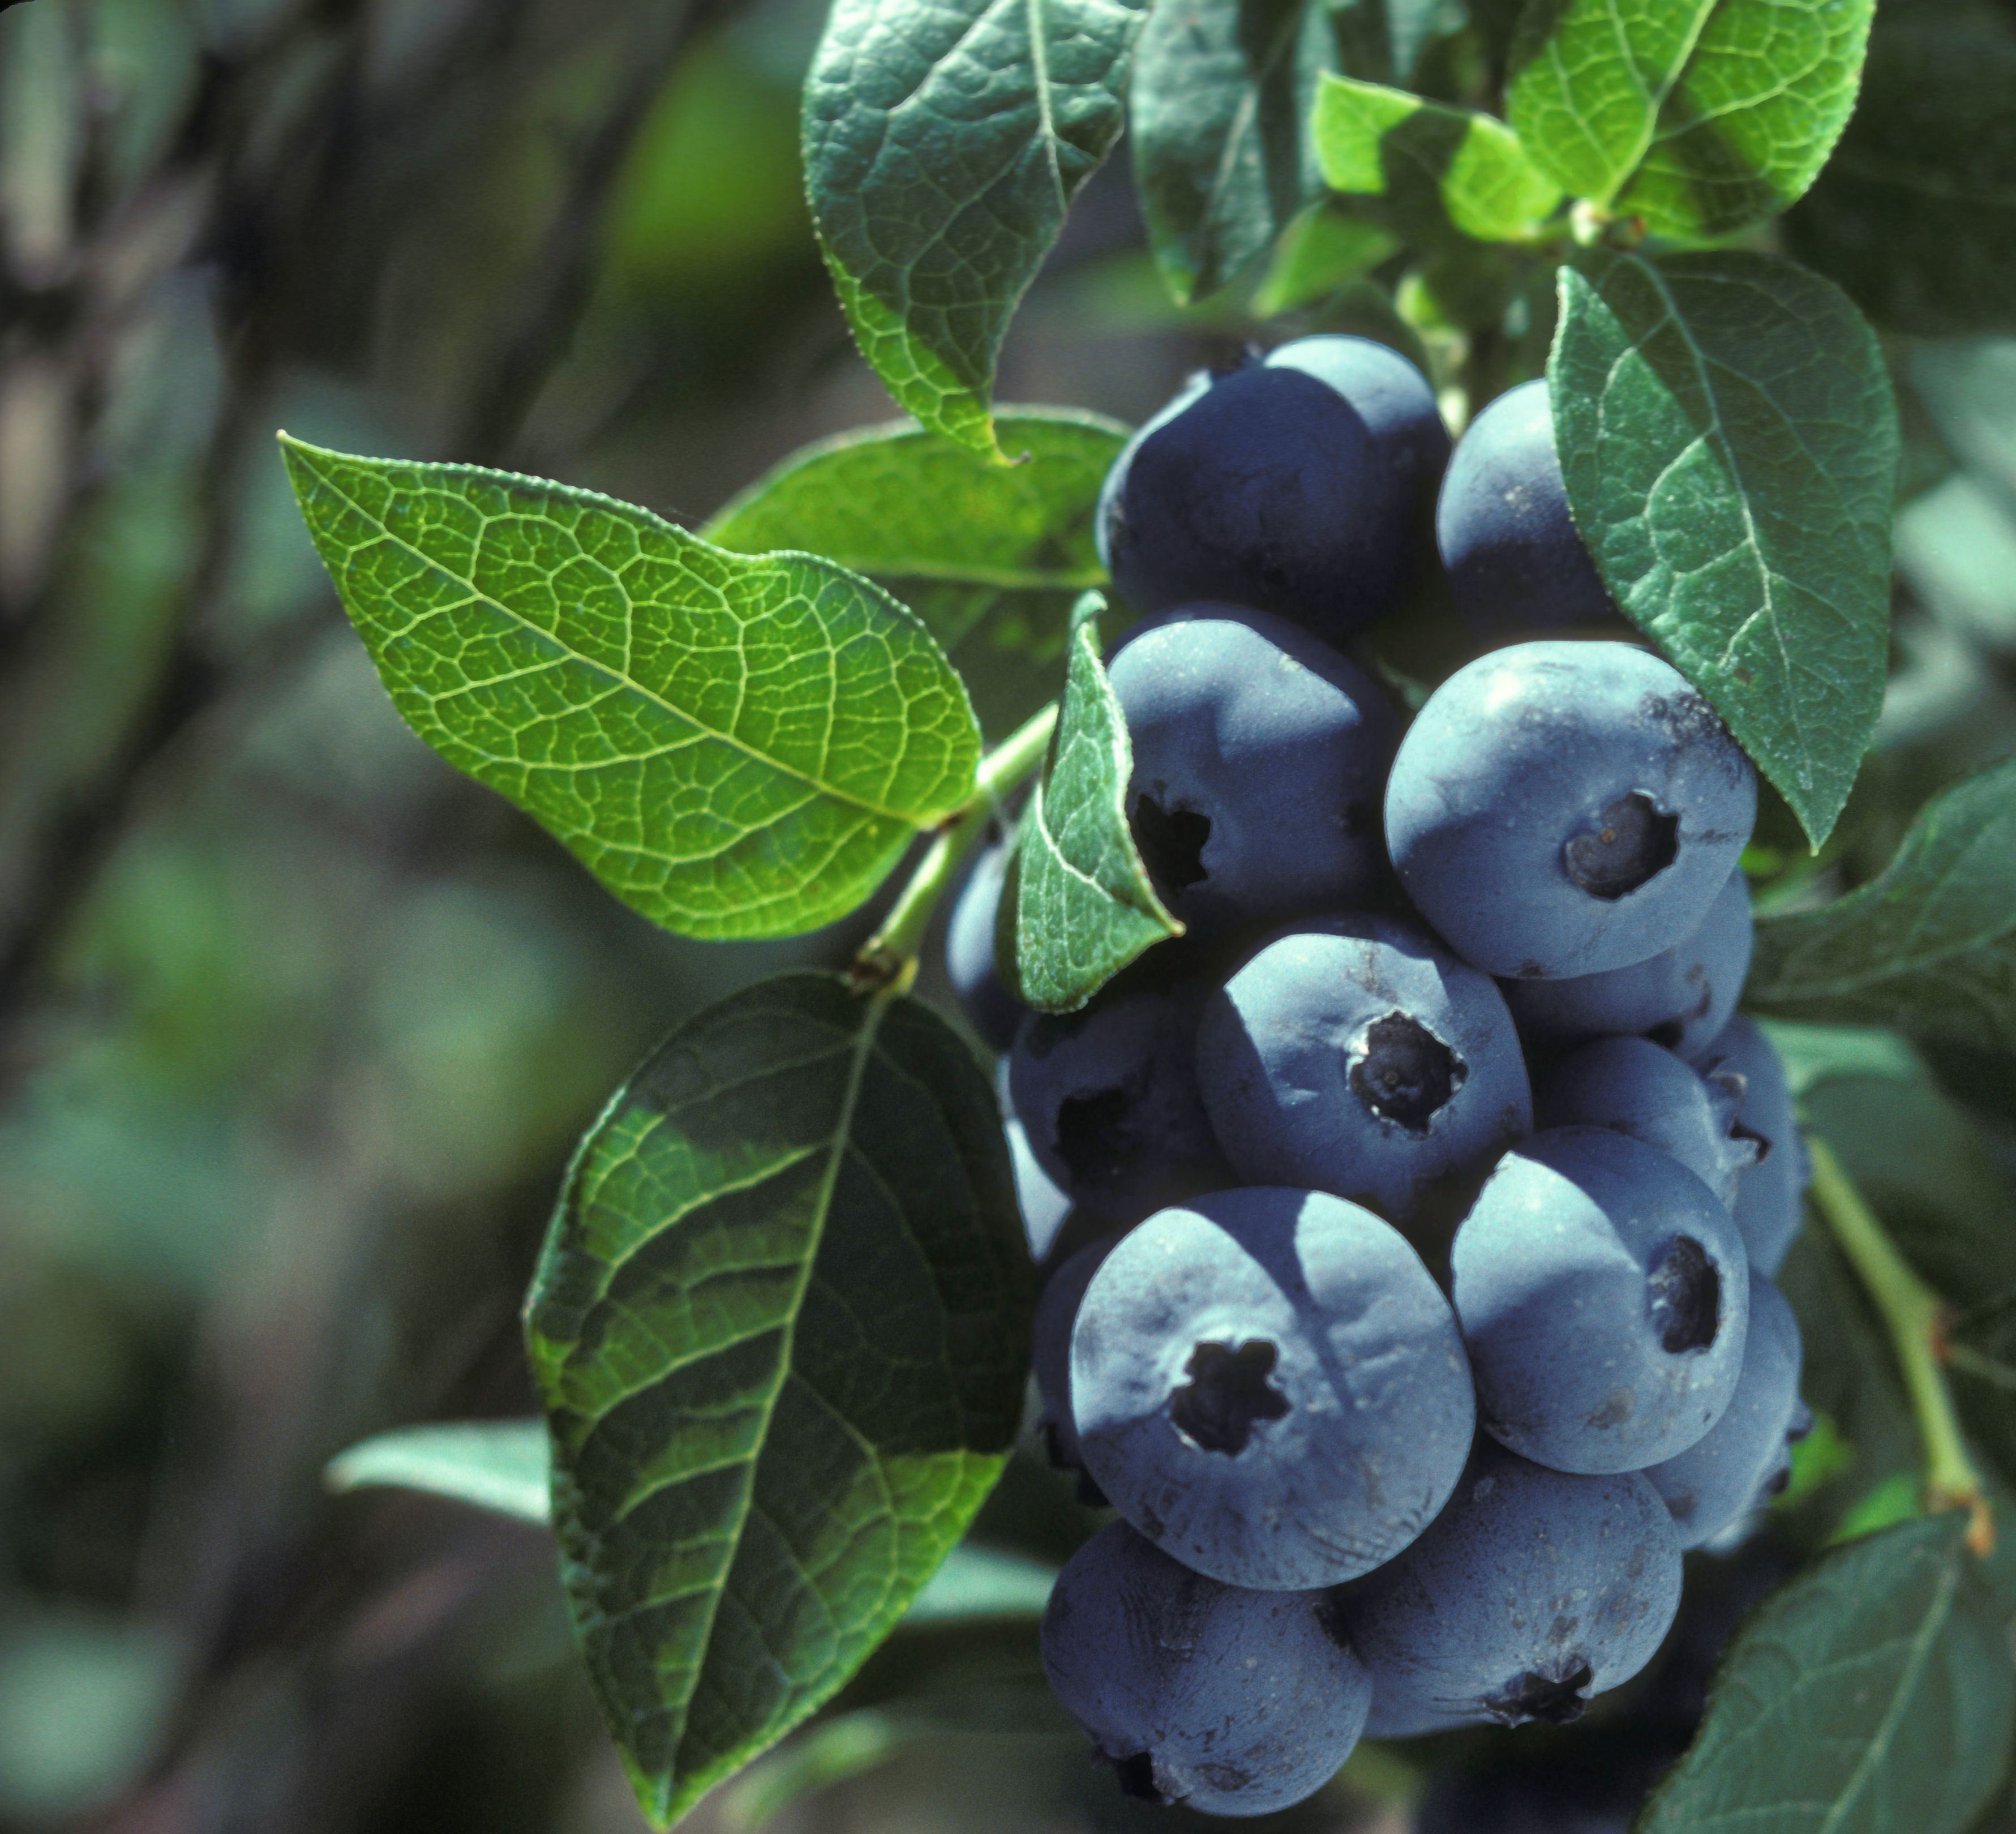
[(1930, 947), (991, 558), (1076, 904), (1817, 1054), (1219, 92), (781, 1328), (504, 1465), (1435, 166), (735, 747), (942, 147), (1323, 249), (1872, 1695), (1698, 116), (978, 1582), (1730, 446), (898, 501), (1915, 214)]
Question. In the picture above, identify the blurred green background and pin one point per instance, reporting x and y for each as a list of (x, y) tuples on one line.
[(297, 1027)]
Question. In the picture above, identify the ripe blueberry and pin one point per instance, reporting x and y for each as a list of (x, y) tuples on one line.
[(1358, 1056), (1603, 1294), (1268, 1384), (1516, 562), (1260, 755), (1232, 1701), (1771, 1196), (1288, 483), (1562, 808)]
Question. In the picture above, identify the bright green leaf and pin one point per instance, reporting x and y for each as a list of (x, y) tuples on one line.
[(1929, 948), (1730, 447), (990, 558), (504, 1465), (734, 746), (942, 147), (1077, 905), (897, 502), (781, 1326), (1219, 92), (1433, 164), (1699, 116), (1872, 1695), (1915, 214)]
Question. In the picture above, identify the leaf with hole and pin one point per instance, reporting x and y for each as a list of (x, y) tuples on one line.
[(1730, 447), (1698, 116), (1929, 948), (780, 1325), (943, 146), (1077, 904), (1435, 168), (1874, 1693), (734, 745)]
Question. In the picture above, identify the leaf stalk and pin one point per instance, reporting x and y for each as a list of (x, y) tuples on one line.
[(1916, 1318), (887, 961)]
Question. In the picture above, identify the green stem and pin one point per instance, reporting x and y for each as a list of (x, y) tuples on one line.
[(1916, 1318), (888, 959)]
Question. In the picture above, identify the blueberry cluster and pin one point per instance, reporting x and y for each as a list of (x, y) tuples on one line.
[(1409, 1223)]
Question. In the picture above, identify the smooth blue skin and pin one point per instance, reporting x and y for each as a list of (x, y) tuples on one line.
[(1516, 562), (1056, 1311), (990, 1008), (1532, 1592), (1283, 1064), (1680, 998), (1247, 728), (1108, 1098), (1232, 1702), (1369, 1412), (1633, 1086), (1290, 484), (1749, 1449), (1507, 774), (1555, 1276), (1771, 1196)]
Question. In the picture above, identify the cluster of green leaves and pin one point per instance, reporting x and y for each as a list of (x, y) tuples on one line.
[(780, 1322)]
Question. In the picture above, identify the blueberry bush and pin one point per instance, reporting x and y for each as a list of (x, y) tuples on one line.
[(1410, 957)]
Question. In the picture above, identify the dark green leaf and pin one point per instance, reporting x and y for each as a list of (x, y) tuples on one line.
[(1872, 1695), (1698, 116), (780, 1326), (1434, 166), (504, 1465), (735, 747), (1077, 905), (1219, 92), (1929, 948), (991, 558), (1730, 446), (942, 147), (1916, 213)]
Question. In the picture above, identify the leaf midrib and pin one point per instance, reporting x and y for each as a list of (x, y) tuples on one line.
[(620, 679), (871, 1025)]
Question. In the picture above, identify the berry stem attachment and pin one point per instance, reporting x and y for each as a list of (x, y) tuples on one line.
[(887, 961), (1916, 1318)]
